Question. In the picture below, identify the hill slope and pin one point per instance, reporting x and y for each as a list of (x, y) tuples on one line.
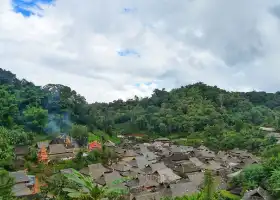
[(219, 118)]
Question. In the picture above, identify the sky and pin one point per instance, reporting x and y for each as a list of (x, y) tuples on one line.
[(108, 50)]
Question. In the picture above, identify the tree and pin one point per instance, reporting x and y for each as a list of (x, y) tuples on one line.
[(80, 133), (35, 118), (253, 175), (271, 151), (274, 183), (8, 107), (6, 152), (6, 184), (55, 185)]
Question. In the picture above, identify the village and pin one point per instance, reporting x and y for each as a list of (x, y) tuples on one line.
[(156, 169)]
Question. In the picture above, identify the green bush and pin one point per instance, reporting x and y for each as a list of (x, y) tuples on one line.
[(226, 195)]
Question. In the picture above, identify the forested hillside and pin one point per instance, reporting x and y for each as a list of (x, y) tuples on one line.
[(200, 112)]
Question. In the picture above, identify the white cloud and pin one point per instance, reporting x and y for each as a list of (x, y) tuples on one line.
[(233, 45)]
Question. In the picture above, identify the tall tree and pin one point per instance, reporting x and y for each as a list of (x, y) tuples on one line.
[(80, 133), (35, 118), (6, 183)]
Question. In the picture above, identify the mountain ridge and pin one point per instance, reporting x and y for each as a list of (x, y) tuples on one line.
[(196, 111)]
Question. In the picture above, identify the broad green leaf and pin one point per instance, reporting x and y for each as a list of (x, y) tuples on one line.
[(75, 194)]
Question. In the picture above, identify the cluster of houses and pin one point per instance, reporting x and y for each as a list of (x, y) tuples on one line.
[(162, 169), (60, 148), (24, 184), (153, 170)]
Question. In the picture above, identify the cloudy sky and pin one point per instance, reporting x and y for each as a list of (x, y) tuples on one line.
[(110, 49)]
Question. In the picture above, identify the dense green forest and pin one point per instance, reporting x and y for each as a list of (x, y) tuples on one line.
[(199, 112)]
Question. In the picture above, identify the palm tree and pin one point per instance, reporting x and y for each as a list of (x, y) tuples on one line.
[(89, 190)]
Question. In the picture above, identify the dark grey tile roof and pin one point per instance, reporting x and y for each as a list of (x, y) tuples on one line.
[(181, 189), (19, 176), (166, 175), (21, 150), (20, 190), (260, 191), (196, 161), (157, 166), (129, 153), (146, 196), (142, 162), (57, 149), (196, 178), (150, 155), (97, 170), (121, 167), (113, 179)]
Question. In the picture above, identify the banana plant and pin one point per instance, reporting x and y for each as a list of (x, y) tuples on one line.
[(89, 190)]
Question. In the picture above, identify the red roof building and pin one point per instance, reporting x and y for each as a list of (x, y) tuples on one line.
[(94, 145)]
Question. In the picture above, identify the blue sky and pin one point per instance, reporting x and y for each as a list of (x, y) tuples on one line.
[(28, 7), (128, 52), (129, 10), (145, 83)]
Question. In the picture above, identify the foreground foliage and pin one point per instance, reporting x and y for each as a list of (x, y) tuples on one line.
[(266, 175), (90, 191), (6, 183)]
